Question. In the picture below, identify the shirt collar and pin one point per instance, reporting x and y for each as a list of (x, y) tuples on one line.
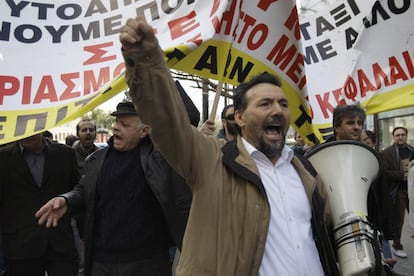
[(287, 152)]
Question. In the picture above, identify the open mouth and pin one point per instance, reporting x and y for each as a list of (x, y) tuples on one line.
[(273, 129)]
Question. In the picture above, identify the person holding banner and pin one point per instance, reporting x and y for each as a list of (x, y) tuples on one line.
[(33, 170), (396, 163), (256, 208)]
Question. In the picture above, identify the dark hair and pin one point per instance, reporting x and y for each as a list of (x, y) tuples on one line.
[(371, 135), (240, 101), (83, 120), (70, 139), (347, 111), (239, 98), (399, 127), (223, 113), (47, 134)]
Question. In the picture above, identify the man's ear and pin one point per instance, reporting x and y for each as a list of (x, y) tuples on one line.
[(238, 117), (223, 122), (144, 131)]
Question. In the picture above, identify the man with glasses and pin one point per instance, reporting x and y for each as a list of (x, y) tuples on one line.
[(229, 124), (228, 131)]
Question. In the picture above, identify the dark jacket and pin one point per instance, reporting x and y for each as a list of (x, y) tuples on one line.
[(81, 155), (393, 170), (169, 188), (20, 198)]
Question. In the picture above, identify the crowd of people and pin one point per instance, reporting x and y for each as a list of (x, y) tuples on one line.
[(168, 198)]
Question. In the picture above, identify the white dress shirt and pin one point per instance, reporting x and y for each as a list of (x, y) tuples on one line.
[(290, 248)]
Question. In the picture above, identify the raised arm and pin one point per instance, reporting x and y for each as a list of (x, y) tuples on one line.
[(137, 35), (158, 103)]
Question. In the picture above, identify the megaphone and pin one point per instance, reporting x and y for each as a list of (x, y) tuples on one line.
[(347, 169)]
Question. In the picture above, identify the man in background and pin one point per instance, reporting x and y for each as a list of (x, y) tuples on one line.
[(300, 147), (228, 131), (32, 171), (71, 139), (396, 160), (86, 132), (369, 138)]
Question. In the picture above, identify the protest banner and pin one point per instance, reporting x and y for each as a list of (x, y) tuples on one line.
[(61, 59)]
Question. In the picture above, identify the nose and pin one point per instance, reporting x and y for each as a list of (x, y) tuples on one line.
[(114, 126), (277, 108), (357, 125)]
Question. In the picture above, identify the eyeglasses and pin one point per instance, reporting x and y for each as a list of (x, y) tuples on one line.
[(230, 117)]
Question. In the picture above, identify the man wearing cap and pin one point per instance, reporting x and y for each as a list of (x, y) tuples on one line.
[(136, 205)]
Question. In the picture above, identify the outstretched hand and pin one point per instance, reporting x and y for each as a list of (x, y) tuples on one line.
[(52, 211), (137, 35)]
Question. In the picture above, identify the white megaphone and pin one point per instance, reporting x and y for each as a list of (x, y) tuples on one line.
[(347, 169)]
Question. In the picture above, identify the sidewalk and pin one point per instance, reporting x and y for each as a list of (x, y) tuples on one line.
[(405, 266)]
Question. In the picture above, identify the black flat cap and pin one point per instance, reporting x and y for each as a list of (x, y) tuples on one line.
[(124, 108)]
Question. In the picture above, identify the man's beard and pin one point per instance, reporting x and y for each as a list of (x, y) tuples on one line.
[(231, 129), (272, 150)]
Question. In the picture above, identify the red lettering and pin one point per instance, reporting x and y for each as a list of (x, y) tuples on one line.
[(227, 18), (292, 22), (215, 7), (378, 75), (264, 4), (302, 82), (46, 91), (253, 45), (27, 90), (90, 82), (296, 68), (365, 84), (181, 26), (196, 40), (214, 19), (337, 93), (324, 104), (396, 71), (98, 53), (68, 93), (8, 86), (280, 54), (409, 63), (249, 21)]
